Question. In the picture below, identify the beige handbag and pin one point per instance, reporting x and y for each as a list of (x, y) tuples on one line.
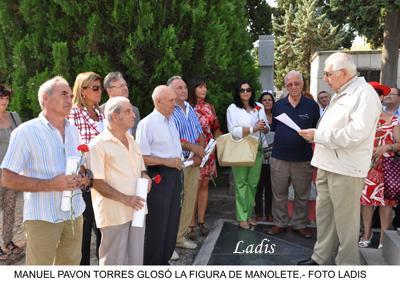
[(237, 152)]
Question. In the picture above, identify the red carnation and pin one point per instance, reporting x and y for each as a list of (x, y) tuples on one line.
[(157, 179), (257, 107), (83, 148), (381, 121), (184, 141)]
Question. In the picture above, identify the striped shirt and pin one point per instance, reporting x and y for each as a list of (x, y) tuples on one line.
[(37, 150), (188, 125)]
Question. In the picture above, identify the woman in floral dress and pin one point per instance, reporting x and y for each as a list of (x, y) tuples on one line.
[(211, 129), (374, 194)]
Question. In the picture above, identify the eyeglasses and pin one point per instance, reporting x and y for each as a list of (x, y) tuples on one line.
[(294, 84), (120, 86), (248, 90), (94, 88), (330, 74)]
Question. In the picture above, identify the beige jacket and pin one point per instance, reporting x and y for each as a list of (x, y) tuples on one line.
[(345, 133)]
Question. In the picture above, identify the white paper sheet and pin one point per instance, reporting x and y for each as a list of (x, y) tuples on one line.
[(141, 190), (285, 119), (72, 165), (209, 149)]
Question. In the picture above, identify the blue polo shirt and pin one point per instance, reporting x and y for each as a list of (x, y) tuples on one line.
[(288, 144)]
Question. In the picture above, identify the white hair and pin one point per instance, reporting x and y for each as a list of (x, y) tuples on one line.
[(340, 60), (294, 73), (114, 105), (48, 87)]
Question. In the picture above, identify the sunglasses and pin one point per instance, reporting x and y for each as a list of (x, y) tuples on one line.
[(94, 88), (248, 90)]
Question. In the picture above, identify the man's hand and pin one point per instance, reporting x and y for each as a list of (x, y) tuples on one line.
[(133, 201), (196, 161), (174, 163), (65, 182), (308, 134), (198, 150)]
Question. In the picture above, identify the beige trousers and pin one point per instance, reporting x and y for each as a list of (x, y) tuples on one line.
[(121, 245), (191, 182), (53, 243), (338, 218)]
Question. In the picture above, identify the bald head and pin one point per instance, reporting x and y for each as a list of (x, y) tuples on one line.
[(164, 99)]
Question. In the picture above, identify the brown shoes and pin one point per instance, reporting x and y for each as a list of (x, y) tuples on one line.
[(305, 233), (274, 230)]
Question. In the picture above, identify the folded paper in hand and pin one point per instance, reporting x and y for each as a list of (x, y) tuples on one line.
[(285, 119)]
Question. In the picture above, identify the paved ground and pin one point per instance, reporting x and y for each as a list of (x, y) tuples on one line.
[(221, 206)]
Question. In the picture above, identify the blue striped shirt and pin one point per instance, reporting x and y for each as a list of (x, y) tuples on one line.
[(188, 125), (37, 150)]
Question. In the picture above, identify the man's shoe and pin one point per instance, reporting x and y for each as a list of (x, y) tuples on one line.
[(274, 230), (175, 256), (187, 245), (309, 261), (305, 233)]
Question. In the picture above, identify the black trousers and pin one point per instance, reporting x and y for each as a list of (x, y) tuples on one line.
[(89, 224), (162, 221), (264, 188)]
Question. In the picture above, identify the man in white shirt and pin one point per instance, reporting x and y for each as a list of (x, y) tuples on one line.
[(161, 148), (323, 98), (343, 150)]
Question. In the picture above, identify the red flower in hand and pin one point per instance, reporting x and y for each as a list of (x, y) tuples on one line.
[(257, 107), (157, 179), (83, 148), (381, 121)]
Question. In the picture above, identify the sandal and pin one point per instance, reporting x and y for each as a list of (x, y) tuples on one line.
[(203, 229), (244, 225), (13, 248), (191, 233), (364, 243), (252, 222), (3, 255)]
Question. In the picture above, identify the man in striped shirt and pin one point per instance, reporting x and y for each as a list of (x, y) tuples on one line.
[(35, 163), (190, 132)]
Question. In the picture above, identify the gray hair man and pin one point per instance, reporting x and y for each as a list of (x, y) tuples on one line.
[(35, 162), (116, 86), (343, 150), (116, 162), (190, 131), (323, 99), (291, 156), (160, 144)]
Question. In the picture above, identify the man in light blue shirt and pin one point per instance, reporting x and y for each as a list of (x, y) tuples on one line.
[(35, 163)]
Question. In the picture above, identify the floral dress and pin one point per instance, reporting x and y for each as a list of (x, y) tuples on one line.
[(209, 123), (374, 187)]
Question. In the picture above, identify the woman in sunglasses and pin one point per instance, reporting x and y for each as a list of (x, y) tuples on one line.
[(247, 117), (211, 129), (8, 121), (89, 120)]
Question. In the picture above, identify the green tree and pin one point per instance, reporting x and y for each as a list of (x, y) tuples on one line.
[(148, 41), (260, 21), (379, 22), (301, 29)]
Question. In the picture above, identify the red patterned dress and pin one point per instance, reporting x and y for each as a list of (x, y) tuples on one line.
[(209, 123), (374, 187)]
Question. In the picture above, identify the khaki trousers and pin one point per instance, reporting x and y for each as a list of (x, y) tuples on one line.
[(121, 245), (338, 218), (53, 243), (190, 185), (300, 173)]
